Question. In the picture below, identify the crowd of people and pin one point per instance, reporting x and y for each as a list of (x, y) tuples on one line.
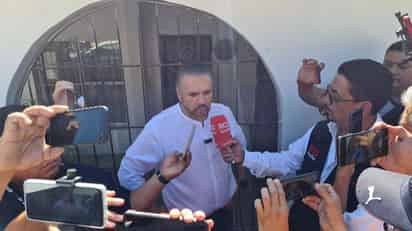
[(201, 176)]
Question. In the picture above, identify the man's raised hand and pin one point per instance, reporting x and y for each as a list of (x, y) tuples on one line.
[(175, 164)]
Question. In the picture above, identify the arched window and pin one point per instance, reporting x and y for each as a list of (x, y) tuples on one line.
[(124, 54)]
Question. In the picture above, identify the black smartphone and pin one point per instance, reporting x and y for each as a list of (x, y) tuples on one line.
[(81, 126), (82, 204), (355, 120), (300, 186), (362, 146), (156, 221)]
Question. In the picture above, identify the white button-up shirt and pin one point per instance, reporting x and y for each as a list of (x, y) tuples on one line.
[(207, 184), (289, 161)]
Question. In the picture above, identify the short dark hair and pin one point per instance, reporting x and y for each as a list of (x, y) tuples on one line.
[(396, 46), (370, 81), (193, 69)]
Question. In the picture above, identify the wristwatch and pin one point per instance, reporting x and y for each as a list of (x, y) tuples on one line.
[(161, 178)]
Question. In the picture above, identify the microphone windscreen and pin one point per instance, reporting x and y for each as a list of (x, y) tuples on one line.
[(221, 130)]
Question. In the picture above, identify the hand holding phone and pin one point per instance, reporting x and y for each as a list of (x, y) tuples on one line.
[(80, 126), (82, 204), (362, 146), (300, 186)]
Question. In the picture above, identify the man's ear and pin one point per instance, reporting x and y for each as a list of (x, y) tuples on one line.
[(179, 94)]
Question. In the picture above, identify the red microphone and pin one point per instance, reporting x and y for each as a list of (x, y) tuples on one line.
[(408, 25), (221, 131)]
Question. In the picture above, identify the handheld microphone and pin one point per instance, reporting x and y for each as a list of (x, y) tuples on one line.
[(221, 131)]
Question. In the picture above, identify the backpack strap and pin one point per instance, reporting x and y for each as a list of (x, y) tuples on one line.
[(317, 149), (302, 217)]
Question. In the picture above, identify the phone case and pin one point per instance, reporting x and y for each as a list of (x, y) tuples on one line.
[(81, 126), (297, 187), (348, 153)]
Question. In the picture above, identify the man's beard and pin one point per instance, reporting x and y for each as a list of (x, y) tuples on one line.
[(201, 111), (196, 113)]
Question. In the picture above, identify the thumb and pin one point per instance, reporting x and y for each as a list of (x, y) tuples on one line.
[(52, 153), (325, 191), (312, 202)]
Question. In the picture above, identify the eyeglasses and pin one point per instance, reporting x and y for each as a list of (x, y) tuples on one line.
[(333, 97), (405, 64)]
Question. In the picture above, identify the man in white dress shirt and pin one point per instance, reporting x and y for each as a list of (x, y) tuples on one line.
[(199, 179)]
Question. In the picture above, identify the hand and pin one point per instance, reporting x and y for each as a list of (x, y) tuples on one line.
[(46, 170), (63, 93), (175, 164), (309, 72), (273, 215), (23, 138), (113, 202), (188, 217), (328, 207), (398, 147), (233, 152)]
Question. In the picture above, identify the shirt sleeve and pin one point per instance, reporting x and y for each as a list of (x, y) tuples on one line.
[(142, 156), (278, 163)]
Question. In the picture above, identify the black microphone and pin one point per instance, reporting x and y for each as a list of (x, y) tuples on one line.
[(207, 141)]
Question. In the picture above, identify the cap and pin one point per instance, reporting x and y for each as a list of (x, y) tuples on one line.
[(387, 196)]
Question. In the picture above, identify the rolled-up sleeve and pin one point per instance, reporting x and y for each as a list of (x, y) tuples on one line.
[(142, 156), (278, 163)]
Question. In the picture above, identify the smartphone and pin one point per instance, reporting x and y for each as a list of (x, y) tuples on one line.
[(155, 221), (355, 121), (82, 204), (300, 186), (81, 126), (362, 146), (189, 141)]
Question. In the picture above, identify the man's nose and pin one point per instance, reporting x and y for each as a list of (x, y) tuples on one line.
[(202, 99), (395, 70)]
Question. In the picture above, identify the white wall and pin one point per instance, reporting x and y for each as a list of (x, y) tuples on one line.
[(283, 32)]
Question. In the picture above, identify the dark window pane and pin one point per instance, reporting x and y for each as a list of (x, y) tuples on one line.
[(169, 49), (169, 75), (205, 52), (188, 49)]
